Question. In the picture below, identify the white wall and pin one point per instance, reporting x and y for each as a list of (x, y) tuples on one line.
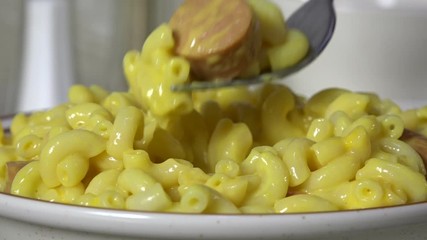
[(104, 30), (10, 53), (160, 11)]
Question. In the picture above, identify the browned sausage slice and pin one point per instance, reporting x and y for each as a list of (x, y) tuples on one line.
[(219, 37), (12, 169)]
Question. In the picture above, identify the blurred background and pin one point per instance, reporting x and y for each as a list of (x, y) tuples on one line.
[(48, 45)]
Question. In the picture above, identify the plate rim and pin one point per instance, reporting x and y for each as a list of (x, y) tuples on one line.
[(250, 226)]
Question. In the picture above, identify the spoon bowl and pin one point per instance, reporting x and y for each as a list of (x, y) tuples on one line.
[(316, 19)]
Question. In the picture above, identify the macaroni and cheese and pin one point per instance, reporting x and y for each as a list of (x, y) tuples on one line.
[(226, 151)]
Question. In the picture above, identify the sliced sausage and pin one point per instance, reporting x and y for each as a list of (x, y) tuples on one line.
[(219, 38), (12, 169), (418, 142)]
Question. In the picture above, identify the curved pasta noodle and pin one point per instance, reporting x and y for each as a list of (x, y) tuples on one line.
[(290, 52), (274, 116), (61, 194), (146, 192), (320, 129), (228, 167), (303, 203), (202, 199), (138, 159), (265, 163), (401, 177), (317, 105), (103, 182), (19, 122), (90, 116), (78, 94), (27, 180), (167, 172), (229, 141), (29, 146), (152, 199), (295, 153), (358, 143), (128, 122), (369, 123), (226, 97), (107, 199), (152, 94), (362, 193), (339, 170), (326, 151), (392, 126), (118, 100), (79, 116), (61, 146), (404, 153), (368, 193), (233, 189), (353, 104), (341, 122), (72, 169)]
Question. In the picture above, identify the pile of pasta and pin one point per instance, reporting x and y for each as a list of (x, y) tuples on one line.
[(228, 151)]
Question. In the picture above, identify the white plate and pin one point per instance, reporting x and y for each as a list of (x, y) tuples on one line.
[(31, 219)]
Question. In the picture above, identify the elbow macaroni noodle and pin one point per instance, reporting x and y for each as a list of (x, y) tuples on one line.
[(221, 151)]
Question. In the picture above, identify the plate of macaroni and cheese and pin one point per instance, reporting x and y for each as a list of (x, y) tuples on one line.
[(264, 162)]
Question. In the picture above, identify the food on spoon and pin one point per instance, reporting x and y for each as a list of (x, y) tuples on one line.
[(241, 38), (272, 22), (289, 53)]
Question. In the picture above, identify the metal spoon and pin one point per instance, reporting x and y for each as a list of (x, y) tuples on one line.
[(316, 19)]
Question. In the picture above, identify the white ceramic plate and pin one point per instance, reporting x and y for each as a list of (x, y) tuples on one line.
[(31, 219)]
